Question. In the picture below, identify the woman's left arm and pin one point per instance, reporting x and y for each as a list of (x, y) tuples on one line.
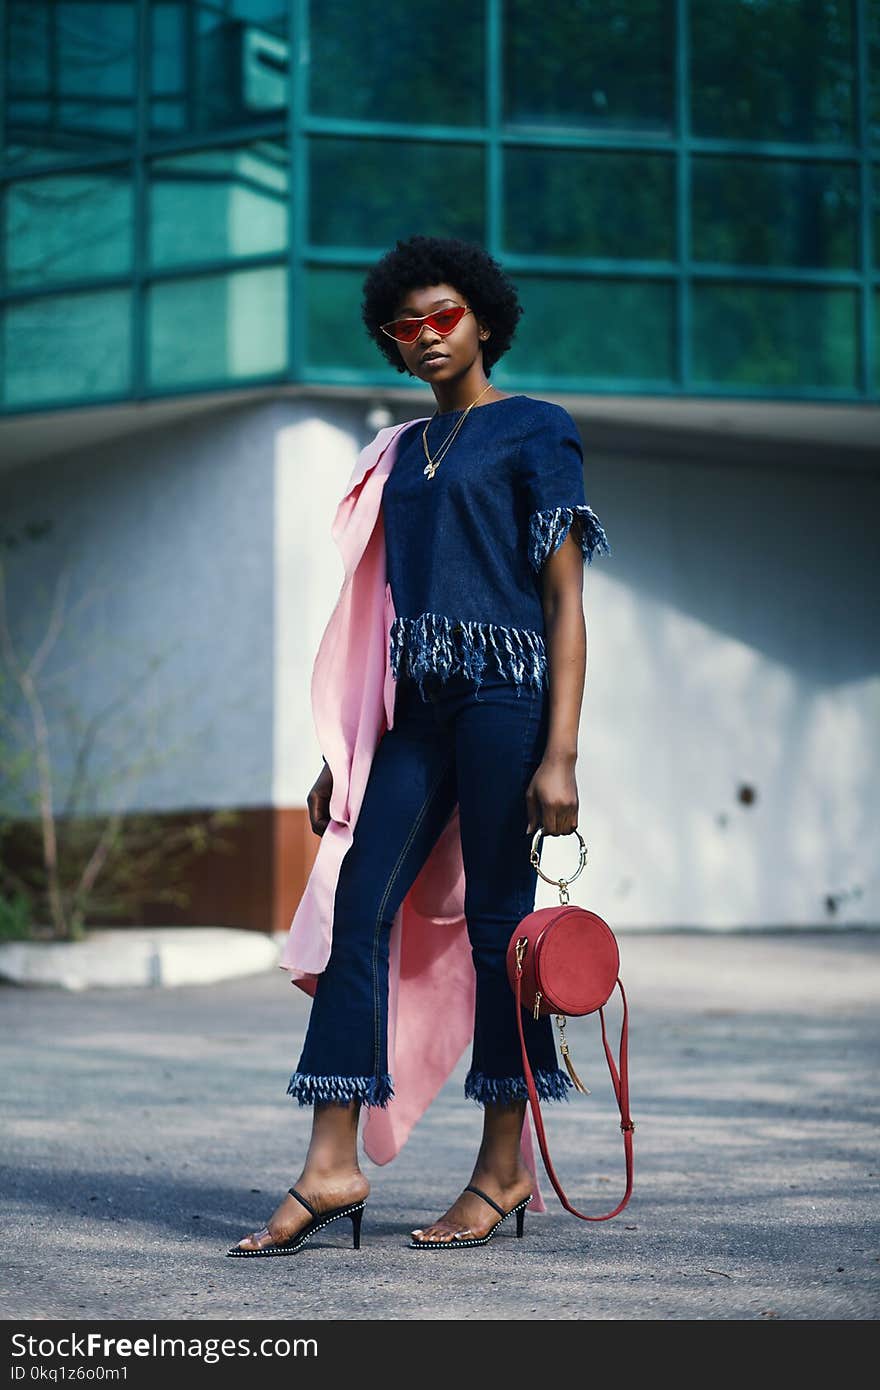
[(552, 796)]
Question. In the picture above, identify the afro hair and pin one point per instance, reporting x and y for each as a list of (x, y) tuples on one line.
[(426, 260)]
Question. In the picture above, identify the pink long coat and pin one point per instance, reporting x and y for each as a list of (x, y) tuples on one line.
[(431, 979)]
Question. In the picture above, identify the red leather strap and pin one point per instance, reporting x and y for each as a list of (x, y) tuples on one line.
[(620, 1082)]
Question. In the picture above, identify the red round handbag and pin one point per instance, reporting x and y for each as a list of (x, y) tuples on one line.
[(564, 960)]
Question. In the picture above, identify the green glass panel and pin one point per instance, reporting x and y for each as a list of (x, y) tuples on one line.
[(875, 195), (270, 15), (589, 203), (370, 192), (67, 227), (70, 79), (773, 71), (68, 347), (391, 60), (775, 212), (582, 328), (599, 64), (335, 333), (218, 327), (877, 342), (217, 66), (872, 11), (170, 106), (219, 203), (169, 98), (775, 336)]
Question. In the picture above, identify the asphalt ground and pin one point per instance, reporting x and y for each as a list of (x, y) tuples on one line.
[(145, 1131)]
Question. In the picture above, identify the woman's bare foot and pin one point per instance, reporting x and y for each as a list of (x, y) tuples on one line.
[(469, 1215), (323, 1190)]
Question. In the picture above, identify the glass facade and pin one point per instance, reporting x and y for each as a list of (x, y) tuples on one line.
[(686, 192)]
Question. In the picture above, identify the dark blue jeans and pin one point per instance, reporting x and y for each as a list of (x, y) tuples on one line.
[(450, 742)]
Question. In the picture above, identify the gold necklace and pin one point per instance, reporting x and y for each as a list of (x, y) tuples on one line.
[(434, 463)]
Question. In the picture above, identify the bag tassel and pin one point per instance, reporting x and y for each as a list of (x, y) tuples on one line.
[(563, 1048)]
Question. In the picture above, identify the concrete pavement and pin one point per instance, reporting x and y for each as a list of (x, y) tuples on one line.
[(146, 1130)]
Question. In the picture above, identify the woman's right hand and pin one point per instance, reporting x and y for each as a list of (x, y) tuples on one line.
[(318, 800)]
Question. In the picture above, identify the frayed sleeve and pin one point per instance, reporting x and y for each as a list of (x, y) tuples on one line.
[(551, 476)]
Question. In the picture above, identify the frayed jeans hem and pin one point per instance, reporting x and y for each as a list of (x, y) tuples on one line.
[(341, 1090), (501, 1090)]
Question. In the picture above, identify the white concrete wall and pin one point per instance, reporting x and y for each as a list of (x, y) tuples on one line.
[(171, 534), (314, 458), (731, 644)]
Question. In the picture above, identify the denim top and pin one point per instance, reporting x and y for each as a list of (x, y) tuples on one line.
[(465, 549)]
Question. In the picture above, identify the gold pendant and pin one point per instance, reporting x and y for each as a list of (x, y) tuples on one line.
[(434, 464)]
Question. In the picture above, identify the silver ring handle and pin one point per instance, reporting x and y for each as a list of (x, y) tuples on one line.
[(560, 883)]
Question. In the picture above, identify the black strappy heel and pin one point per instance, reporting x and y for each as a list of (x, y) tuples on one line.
[(457, 1243), (319, 1218)]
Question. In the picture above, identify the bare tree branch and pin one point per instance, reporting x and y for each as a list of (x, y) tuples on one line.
[(55, 625)]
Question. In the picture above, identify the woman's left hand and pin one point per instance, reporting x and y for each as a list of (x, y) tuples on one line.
[(552, 797)]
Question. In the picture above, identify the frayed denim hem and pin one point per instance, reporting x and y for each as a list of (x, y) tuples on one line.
[(370, 1090), (439, 646), (495, 1090), (549, 528)]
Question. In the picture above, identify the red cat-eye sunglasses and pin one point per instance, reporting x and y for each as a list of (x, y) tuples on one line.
[(442, 321)]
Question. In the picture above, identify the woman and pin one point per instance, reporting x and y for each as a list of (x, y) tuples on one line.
[(486, 530)]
